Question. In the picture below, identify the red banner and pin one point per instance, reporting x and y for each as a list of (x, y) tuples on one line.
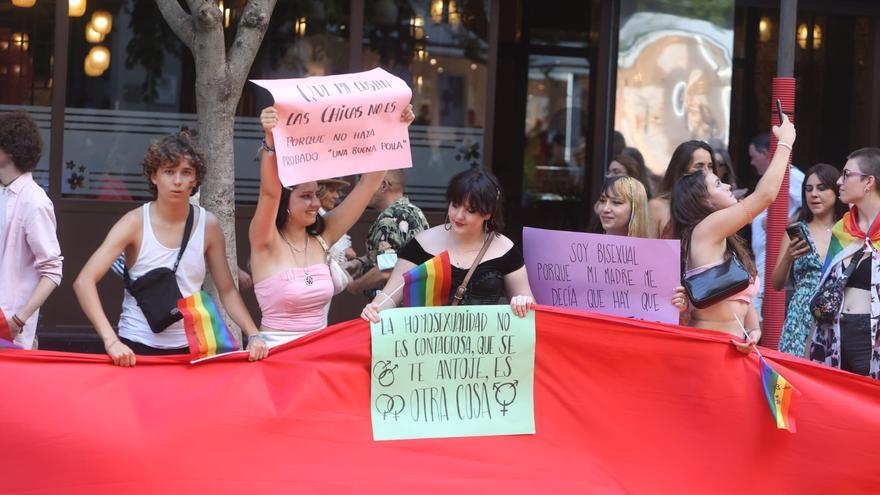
[(621, 406)]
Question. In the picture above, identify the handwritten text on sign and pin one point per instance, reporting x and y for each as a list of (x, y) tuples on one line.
[(339, 125), (452, 372), (623, 276)]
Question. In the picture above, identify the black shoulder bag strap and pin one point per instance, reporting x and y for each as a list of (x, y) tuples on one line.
[(459, 292), (187, 229), (856, 259)]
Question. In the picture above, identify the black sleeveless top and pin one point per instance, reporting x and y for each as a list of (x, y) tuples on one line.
[(486, 285), (860, 278)]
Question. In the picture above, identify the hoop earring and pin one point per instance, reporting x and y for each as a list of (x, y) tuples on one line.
[(448, 224)]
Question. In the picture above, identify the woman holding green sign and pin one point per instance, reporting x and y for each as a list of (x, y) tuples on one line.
[(483, 266)]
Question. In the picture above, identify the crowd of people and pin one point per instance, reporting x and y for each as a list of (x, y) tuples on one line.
[(301, 254)]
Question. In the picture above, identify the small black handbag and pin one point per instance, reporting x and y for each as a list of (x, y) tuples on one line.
[(157, 292), (826, 304), (717, 283)]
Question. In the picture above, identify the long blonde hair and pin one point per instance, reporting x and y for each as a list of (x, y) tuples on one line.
[(632, 191)]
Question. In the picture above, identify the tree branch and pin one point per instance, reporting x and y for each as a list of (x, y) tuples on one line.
[(179, 21), (251, 30)]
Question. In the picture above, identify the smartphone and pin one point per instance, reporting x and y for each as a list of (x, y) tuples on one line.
[(779, 110), (796, 231)]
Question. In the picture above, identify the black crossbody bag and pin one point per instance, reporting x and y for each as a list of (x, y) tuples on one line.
[(157, 292), (717, 283)]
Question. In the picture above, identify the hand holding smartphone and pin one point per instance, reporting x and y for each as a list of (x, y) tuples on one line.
[(779, 110)]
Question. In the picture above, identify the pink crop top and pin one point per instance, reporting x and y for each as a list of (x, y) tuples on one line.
[(746, 295), (288, 303)]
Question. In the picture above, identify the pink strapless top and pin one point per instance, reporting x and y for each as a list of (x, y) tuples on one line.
[(289, 303), (746, 295)]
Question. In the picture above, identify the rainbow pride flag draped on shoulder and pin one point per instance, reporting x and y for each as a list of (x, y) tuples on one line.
[(429, 283), (206, 331), (847, 237)]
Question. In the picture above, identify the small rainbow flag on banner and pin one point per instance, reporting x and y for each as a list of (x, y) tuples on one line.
[(779, 393), (206, 332), (429, 283)]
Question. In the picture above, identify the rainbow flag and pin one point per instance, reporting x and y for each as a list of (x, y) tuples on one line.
[(779, 393), (429, 283), (846, 237), (206, 332)]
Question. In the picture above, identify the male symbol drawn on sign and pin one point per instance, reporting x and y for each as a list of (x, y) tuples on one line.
[(505, 394), (390, 404), (384, 373)]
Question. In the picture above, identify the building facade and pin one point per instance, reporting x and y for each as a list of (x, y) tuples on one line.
[(534, 90)]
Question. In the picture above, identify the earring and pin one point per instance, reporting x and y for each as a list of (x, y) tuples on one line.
[(288, 211), (448, 224)]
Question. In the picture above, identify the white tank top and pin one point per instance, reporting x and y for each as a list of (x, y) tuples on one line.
[(190, 276)]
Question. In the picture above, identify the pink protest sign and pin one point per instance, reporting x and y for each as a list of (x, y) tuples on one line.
[(339, 125), (622, 276)]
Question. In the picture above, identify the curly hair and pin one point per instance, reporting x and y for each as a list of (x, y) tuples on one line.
[(169, 150), (20, 139)]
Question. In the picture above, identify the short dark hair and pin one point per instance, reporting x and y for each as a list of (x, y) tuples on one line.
[(761, 142), (482, 192), (20, 138), (281, 215), (630, 164), (828, 175), (169, 150), (868, 160)]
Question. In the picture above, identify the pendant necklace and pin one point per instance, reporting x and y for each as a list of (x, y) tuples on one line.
[(308, 280)]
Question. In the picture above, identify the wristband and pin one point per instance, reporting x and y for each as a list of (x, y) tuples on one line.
[(266, 147), (780, 143), (387, 298), (17, 321), (255, 336)]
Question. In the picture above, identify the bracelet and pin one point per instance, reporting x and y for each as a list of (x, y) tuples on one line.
[(266, 147), (256, 336), (111, 344), (387, 298), (17, 321), (780, 143)]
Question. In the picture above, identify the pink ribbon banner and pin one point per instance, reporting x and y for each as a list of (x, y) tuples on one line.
[(339, 125), (615, 275)]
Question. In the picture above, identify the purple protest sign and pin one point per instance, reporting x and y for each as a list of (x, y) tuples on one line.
[(622, 276)]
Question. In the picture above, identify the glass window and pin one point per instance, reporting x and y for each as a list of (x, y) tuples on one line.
[(439, 48), (555, 152), (129, 81), (27, 37), (304, 39), (674, 71)]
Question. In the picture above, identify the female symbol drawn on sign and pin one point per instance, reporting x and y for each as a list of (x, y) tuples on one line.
[(505, 394), (390, 404), (384, 373)]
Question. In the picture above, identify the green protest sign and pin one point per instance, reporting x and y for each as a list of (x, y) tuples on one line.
[(452, 372)]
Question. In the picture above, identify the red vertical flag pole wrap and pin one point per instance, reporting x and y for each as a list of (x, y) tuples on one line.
[(777, 220)]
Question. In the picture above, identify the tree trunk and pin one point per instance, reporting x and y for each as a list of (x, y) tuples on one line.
[(220, 77)]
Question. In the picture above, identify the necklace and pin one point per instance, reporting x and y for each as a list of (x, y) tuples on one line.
[(308, 280)]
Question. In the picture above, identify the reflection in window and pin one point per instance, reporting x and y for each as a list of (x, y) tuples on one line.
[(439, 48), (555, 153), (26, 58), (674, 73)]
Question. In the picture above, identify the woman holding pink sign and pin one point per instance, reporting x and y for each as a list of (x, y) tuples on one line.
[(718, 270), (290, 241)]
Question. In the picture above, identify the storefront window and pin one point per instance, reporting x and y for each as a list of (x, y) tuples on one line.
[(674, 72), (304, 39), (439, 48), (26, 57), (555, 153)]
